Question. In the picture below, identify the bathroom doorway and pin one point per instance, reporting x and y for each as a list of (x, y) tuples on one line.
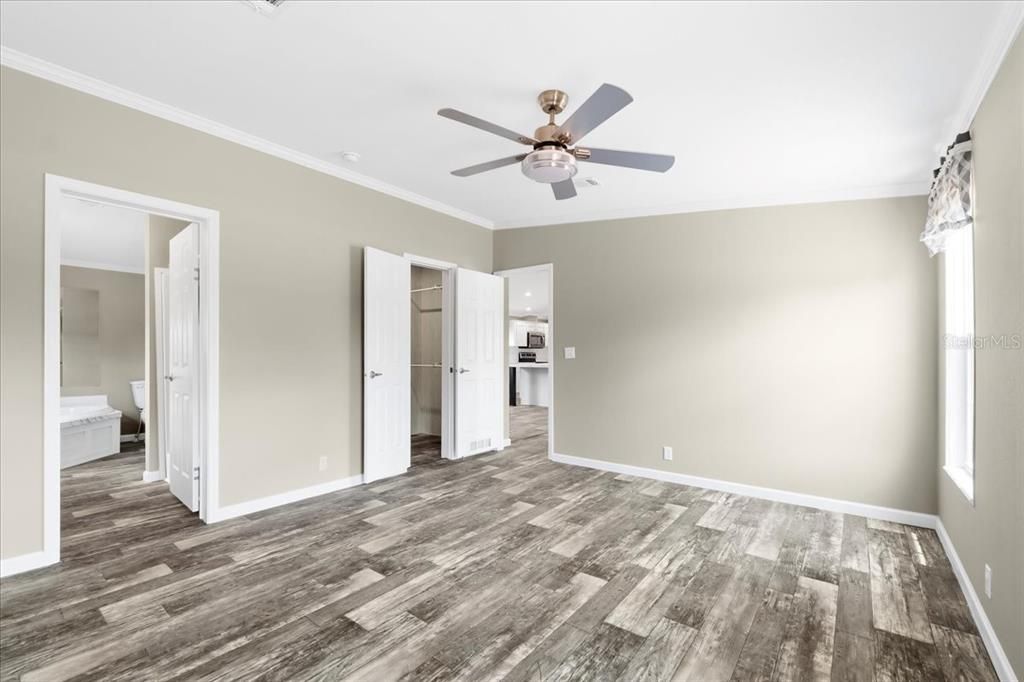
[(106, 251)]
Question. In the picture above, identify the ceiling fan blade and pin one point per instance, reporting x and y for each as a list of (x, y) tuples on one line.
[(488, 165), (606, 101), (639, 160), (564, 189), (486, 125)]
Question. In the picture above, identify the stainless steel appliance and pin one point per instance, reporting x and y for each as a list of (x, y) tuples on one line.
[(534, 340), (527, 356)]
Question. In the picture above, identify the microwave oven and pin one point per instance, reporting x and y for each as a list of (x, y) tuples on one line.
[(534, 340)]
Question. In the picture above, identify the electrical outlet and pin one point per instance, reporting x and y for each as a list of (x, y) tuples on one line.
[(570, 352), (666, 453), (988, 581), (323, 464)]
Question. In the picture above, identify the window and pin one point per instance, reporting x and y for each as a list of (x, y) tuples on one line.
[(959, 358)]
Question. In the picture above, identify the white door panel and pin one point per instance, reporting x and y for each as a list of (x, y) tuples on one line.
[(387, 343), (479, 365), (182, 359)]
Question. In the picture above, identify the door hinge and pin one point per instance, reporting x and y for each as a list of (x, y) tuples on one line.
[(196, 278), (195, 473)]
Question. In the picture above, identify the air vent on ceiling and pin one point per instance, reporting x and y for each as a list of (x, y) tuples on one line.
[(265, 7)]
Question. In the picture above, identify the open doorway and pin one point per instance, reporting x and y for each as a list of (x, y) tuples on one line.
[(113, 261), (529, 345), (427, 375)]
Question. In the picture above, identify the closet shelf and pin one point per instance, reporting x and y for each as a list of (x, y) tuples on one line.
[(436, 287)]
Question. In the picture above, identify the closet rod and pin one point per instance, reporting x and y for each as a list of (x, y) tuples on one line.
[(433, 288), (436, 364)]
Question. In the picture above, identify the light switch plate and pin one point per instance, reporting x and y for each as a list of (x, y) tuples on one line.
[(666, 453), (570, 352), (323, 464)]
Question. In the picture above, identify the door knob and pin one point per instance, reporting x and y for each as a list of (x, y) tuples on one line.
[(374, 375), (462, 370), (169, 377)]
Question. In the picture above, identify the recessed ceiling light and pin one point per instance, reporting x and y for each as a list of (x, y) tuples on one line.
[(351, 157), (528, 308), (527, 294)]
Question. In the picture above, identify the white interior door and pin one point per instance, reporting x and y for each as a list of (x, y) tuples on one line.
[(182, 359), (387, 353), (479, 343)]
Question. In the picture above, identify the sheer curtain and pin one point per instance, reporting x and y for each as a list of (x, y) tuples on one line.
[(949, 201)]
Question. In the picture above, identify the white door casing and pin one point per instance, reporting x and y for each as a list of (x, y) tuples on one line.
[(182, 358), (387, 352), (479, 361)]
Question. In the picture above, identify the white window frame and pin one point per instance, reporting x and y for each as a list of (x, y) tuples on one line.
[(958, 359)]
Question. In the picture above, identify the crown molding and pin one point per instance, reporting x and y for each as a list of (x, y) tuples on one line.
[(783, 199), (1007, 27), (112, 93)]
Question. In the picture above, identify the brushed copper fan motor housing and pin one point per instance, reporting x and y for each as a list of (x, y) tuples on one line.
[(548, 133)]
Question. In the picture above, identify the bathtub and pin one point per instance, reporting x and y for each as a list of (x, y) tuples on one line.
[(89, 429)]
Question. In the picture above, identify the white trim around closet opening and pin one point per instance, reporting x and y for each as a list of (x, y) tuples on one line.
[(58, 188)]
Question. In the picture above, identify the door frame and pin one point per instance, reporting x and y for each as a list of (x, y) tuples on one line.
[(161, 281), (550, 269), (56, 189), (447, 346)]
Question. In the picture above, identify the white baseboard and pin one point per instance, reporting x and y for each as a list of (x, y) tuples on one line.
[(129, 437), (25, 562), (253, 506), (152, 476), (909, 518), (988, 634)]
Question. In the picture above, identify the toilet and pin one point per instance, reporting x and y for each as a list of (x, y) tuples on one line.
[(139, 397)]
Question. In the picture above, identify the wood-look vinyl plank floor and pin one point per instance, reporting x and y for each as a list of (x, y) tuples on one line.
[(501, 566)]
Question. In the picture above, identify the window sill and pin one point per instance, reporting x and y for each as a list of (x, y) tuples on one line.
[(963, 480)]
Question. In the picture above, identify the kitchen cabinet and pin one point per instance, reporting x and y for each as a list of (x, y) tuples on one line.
[(518, 329), (530, 383)]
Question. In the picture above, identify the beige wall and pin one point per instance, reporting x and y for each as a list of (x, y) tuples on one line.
[(158, 253), (426, 348), (122, 326), (992, 530), (789, 347), (291, 293)]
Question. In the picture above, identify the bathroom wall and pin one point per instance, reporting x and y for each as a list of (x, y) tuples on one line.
[(122, 330), (426, 348), (158, 239)]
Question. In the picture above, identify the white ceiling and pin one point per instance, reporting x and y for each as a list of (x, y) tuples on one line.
[(104, 237), (761, 103), (528, 294)]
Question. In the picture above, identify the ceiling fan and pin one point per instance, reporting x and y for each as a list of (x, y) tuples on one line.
[(553, 160)]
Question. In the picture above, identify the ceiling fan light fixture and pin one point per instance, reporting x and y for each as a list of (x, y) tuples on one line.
[(549, 165)]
